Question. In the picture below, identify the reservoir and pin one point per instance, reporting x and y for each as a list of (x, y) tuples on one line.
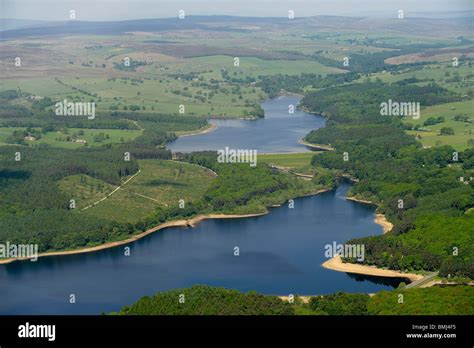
[(279, 131), (279, 253)]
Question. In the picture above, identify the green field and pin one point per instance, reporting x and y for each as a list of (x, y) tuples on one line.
[(463, 131), (64, 138), (457, 79), (5, 132), (159, 184), (162, 95), (43, 86), (84, 189), (252, 66)]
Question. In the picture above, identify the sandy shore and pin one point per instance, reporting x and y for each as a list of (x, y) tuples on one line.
[(195, 221), (380, 219), (319, 147), (336, 264), (208, 129), (360, 200)]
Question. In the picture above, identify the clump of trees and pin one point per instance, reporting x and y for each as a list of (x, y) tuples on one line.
[(463, 118), (430, 121), (131, 66), (274, 84), (446, 131), (340, 303)]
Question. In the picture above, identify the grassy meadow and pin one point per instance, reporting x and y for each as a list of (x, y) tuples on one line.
[(159, 184), (463, 131)]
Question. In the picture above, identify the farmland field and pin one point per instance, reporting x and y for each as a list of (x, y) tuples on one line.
[(292, 160), (72, 138), (463, 136)]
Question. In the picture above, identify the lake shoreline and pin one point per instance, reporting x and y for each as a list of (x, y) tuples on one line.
[(175, 223), (336, 264), (209, 128), (359, 200), (380, 219), (318, 147), (193, 222)]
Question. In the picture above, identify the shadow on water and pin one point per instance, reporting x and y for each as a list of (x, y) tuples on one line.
[(386, 281)]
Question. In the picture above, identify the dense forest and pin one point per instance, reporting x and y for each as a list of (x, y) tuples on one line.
[(207, 300), (34, 210), (274, 84), (426, 193), (340, 303), (438, 300)]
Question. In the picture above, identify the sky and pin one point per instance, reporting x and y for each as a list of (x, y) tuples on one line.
[(99, 10)]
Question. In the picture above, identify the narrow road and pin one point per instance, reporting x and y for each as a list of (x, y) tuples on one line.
[(152, 199), (424, 280), (136, 124), (111, 193)]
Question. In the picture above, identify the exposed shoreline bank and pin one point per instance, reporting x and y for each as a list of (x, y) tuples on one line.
[(336, 264), (318, 147), (380, 219), (354, 199), (193, 222), (176, 223), (211, 127)]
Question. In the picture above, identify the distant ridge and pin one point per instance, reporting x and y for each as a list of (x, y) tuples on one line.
[(15, 28)]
